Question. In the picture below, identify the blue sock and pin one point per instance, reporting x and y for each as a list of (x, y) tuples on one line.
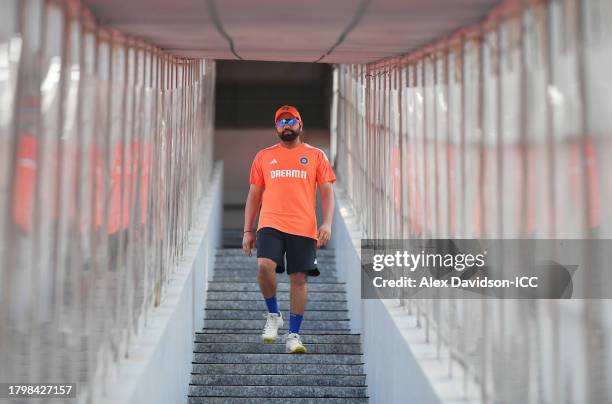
[(295, 321), (272, 304)]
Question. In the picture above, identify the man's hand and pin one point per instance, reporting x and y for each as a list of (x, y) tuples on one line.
[(324, 234), (248, 242)]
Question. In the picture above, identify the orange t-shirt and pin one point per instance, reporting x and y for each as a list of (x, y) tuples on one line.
[(289, 178)]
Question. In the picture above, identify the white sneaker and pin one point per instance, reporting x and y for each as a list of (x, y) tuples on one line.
[(294, 344), (273, 323)]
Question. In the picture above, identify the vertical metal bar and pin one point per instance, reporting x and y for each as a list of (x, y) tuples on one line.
[(480, 43), (592, 310), (58, 46), (450, 78)]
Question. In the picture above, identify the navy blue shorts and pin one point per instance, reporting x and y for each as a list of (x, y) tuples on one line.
[(300, 251)]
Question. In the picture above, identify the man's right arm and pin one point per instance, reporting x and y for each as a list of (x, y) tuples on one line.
[(252, 206), (253, 203)]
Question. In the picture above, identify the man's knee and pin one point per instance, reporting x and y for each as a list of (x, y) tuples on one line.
[(265, 268), (298, 279)]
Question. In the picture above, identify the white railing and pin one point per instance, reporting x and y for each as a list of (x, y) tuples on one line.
[(105, 153), (502, 130)]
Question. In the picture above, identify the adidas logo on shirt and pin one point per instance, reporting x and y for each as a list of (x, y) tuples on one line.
[(273, 161)]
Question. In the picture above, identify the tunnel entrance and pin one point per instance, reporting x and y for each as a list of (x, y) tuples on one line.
[(248, 92)]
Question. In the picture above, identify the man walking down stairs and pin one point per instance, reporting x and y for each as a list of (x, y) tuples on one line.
[(231, 364)]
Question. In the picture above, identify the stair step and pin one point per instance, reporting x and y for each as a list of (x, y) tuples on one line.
[(252, 266), (241, 269), (242, 256), (315, 379), (276, 369), (257, 324), (256, 337), (331, 359), (281, 295), (251, 275), (303, 331), (288, 400), (222, 314), (278, 347), (282, 304), (231, 364), (232, 276), (224, 252), (281, 287), (327, 269), (252, 261), (277, 391)]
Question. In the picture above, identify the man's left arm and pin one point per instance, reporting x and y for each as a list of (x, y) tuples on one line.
[(327, 201)]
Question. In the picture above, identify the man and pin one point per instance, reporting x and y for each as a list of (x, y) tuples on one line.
[(283, 183)]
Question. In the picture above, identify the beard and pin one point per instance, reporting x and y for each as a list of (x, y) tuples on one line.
[(289, 135)]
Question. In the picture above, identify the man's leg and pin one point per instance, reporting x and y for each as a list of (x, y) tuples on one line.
[(270, 250), (301, 261), (266, 276), (298, 296)]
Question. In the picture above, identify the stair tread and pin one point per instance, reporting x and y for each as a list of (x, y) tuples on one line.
[(281, 295), (278, 380), (239, 278), (216, 286), (233, 332), (256, 337), (277, 368), (275, 348), (258, 331), (247, 314), (239, 251), (282, 304), (277, 391), (276, 400)]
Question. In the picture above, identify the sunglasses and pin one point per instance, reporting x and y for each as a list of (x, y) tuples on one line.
[(283, 122)]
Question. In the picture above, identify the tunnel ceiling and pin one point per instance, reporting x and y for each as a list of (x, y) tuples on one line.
[(329, 31)]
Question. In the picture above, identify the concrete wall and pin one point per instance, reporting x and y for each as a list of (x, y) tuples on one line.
[(400, 366), (159, 369)]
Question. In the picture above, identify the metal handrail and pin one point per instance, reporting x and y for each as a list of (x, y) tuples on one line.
[(492, 133)]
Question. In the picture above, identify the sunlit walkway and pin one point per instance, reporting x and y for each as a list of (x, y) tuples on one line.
[(127, 129)]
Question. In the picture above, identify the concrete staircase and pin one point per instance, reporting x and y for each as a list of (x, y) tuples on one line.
[(232, 365)]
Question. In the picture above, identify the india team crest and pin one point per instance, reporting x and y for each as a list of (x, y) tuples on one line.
[(304, 160)]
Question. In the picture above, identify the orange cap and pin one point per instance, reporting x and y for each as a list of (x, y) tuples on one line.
[(289, 109)]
